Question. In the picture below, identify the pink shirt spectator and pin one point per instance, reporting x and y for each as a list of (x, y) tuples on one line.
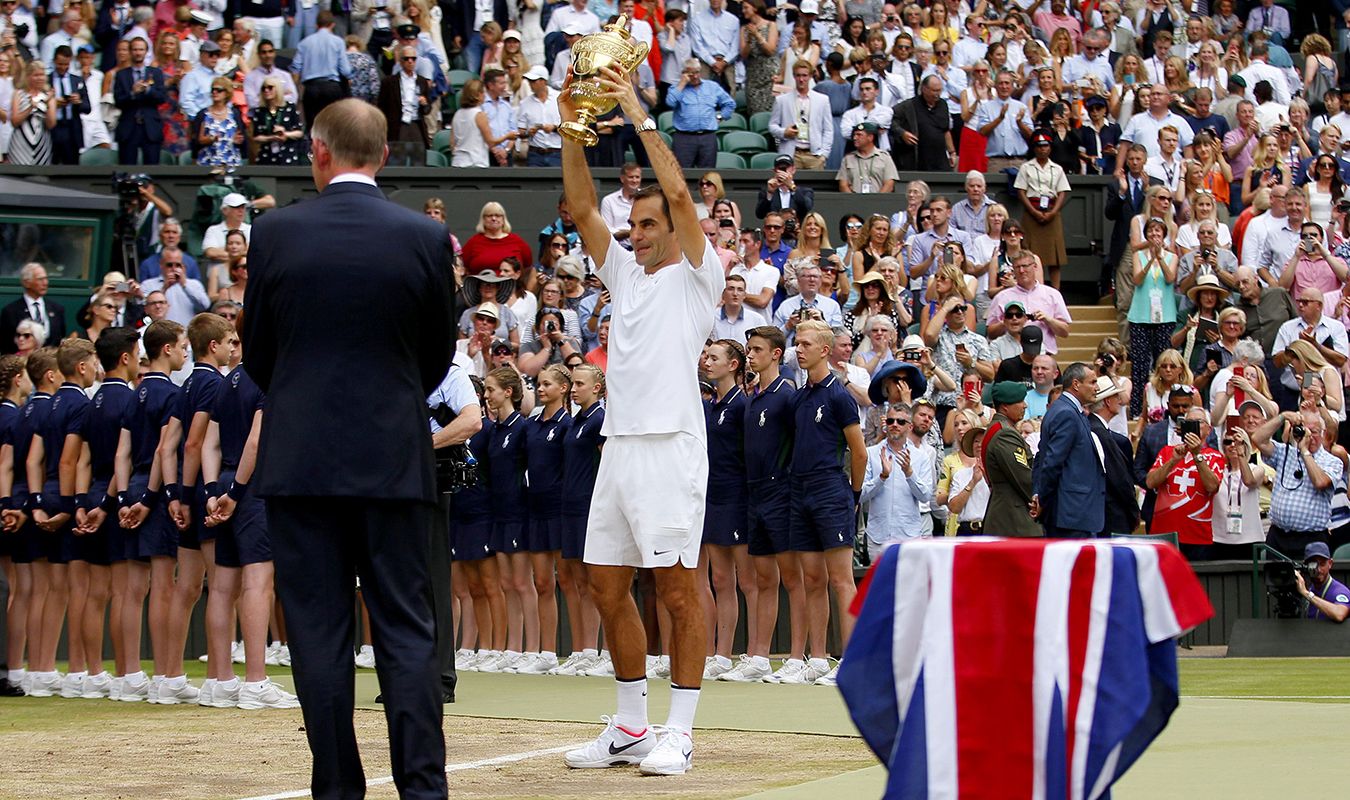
[(1316, 274), (1038, 298), (1243, 158), (1048, 22)]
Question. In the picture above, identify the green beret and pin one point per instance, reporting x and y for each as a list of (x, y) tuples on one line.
[(1005, 392)]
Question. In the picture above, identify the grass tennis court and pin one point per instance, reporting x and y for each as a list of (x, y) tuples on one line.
[(1241, 724)]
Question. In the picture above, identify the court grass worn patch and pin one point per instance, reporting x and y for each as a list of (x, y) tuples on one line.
[(108, 751)]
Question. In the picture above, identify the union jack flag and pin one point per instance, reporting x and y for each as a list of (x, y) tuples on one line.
[(984, 668)]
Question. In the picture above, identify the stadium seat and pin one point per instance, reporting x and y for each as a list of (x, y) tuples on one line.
[(1342, 553), (730, 161), (735, 122), (1170, 538), (436, 158), (98, 157), (759, 122), (459, 77), (762, 160), (744, 143), (665, 137), (185, 159), (450, 104), (739, 97), (665, 121), (441, 141), (167, 159)]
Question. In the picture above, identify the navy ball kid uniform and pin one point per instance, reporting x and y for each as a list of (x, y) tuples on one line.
[(70, 405), (769, 426), (581, 463), (544, 468), (9, 417), (822, 497), (32, 539), (506, 482), (725, 522), (102, 431), (156, 401), (471, 511), (197, 395), (244, 539)]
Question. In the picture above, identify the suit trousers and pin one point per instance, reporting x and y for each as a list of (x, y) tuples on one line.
[(442, 599), (67, 139), (136, 142), (694, 150), (321, 545), (319, 93)]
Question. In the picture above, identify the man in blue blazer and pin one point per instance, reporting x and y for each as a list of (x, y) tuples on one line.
[(138, 91), (347, 347), (1068, 480), (72, 100)]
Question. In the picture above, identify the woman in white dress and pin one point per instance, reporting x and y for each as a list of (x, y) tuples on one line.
[(1129, 74), (469, 128)]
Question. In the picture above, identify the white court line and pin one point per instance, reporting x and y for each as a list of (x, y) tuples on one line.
[(468, 765)]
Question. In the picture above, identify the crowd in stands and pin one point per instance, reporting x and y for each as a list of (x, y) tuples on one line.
[(1215, 416)]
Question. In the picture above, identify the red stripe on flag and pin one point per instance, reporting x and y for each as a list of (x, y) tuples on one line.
[(993, 632), (1080, 620)]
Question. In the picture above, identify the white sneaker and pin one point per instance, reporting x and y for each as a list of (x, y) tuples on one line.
[(600, 666), (204, 658), (830, 678), (464, 660), (714, 666), (539, 664), (814, 669), (788, 672), (569, 667), (133, 692), (72, 685), (96, 687), (172, 693), (751, 669), (265, 694), (284, 656), (663, 667), (272, 656), (43, 684), (224, 694), (512, 661), (614, 747), (365, 658), (652, 662), (115, 688), (490, 661), (237, 652), (204, 693), (673, 754)]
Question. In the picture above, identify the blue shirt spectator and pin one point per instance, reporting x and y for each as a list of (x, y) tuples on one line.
[(699, 107), (194, 90), (1297, 505), (321, 55), (150, 268), (716, 33)]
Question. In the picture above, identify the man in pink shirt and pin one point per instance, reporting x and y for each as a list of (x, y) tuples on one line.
[(1044, 305), (1058, 17)]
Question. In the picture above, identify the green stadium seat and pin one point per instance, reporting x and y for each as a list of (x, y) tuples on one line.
[(436, 158), (739, 97), (1342, 553), (665, 121), (459, 77), (185, 159), (735, 122), (441, 141), (167, 159), (98, 157), (450, 103), (762, 160), (744, 143), (730, 161), (759, 122)]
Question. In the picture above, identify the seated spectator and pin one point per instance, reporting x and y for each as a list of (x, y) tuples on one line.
[(484, 291), (233, 211), (186, 297), (1207, 360), (1186, 477), (1200, 328), (551, 296), (493, 242), (550, 344), (1328, 598), (881, 341)]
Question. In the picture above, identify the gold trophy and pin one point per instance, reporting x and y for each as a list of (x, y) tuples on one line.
[(613, 47)]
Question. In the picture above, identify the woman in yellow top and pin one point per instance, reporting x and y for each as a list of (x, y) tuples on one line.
[(939, 27), (955, 461)]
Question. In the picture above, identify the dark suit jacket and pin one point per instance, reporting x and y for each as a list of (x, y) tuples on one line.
[(347, 346), (927, 155), (106, 34), (140, 111), (17, 311), (1122, 210), (1122, 509), (1067, 476), (802, 200), (77, 87), (391, 104)]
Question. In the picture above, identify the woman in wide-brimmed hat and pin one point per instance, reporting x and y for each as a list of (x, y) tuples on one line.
[(875, 296)]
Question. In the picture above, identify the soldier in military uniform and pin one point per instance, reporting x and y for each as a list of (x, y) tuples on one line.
[(1007, 466)]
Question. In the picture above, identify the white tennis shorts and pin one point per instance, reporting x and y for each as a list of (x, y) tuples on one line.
[(647, 509)]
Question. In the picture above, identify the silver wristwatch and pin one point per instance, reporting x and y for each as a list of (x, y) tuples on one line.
[(647, 124)]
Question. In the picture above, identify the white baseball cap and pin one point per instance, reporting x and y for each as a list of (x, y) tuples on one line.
[(536, 73), (234, 200)]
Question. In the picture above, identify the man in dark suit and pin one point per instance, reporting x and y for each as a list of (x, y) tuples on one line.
[(32, 304), (348, 476), (782, 192), (114, 19), (1122, 508), (72, 100), (1123, 204), (921, 130), (404, 103), (138, 91), (1068, 481)]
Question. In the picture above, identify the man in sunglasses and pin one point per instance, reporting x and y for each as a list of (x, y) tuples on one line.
[(1094, 61), (267, 68), (405, 101), (900, 478)]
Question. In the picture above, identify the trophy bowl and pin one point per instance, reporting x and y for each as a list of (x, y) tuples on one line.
[(612, 47)]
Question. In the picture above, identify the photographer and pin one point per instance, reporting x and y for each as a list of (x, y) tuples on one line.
[(1208, 257), (1305, 476), (1237, 504), (1312, 266), (1327, 598), (1186, 477), (549, 346), (455, 416), (807, 304)]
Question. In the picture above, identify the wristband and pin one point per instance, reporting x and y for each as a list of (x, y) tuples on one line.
[(110, 502), (35, 501), (172, 492), (6, 503), (212, 489), (857, 497), (65, 504), (85, 501), (150, 499), (237, 490), (124, 500)]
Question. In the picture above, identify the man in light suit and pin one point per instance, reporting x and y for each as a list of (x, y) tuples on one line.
[(1067, 480), (345, 497), (802, 122)]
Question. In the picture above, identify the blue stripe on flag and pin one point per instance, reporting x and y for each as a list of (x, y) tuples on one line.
[(866, 675)]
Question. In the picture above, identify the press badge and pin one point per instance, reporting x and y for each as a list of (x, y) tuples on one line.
[(1234, 525), (1044, 203), (1155, 310)]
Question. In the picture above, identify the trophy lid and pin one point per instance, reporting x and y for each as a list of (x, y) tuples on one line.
[(619, 26)]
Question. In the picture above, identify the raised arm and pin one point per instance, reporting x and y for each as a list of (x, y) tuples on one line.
[(578, 186)]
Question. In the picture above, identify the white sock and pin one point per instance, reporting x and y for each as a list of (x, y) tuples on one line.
[(16, 675), (722, 661), (683, 704), (548, 655), (255, 684), (176, 682), (512, 654), (819, 663), (232, 683), (81, 674), (632, 713)]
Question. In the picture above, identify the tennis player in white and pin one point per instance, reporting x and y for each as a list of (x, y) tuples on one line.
[(649, 493)]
